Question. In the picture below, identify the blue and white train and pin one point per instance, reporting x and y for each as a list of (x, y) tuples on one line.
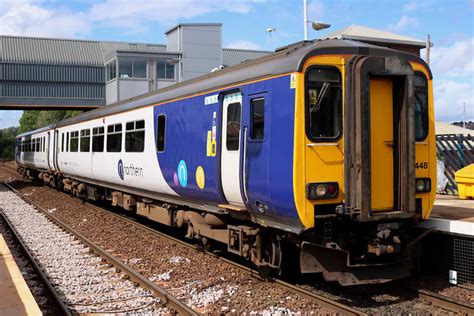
[(313, 150)]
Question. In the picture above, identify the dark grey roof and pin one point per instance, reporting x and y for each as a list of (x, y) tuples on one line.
[(18, 49), (50, 51), (286, 60), (233, 56)]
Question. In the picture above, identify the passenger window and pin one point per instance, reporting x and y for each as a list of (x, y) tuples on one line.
[(85, 140), (98, 139), (44, 144), (233, 126), (258, 115), (62, 142), (114, 138), (67, 141), (37, 145), (421, 106), (74, 141), (323, 104), (160, 133), (135, 136)]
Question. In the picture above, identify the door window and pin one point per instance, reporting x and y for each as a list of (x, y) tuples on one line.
[(233, 126)]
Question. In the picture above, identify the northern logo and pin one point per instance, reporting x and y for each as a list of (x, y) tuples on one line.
[(120, 169)]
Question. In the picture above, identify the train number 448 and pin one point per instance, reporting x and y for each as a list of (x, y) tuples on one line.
[(421, 165)]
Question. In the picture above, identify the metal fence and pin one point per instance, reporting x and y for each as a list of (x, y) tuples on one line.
[(457, 152)]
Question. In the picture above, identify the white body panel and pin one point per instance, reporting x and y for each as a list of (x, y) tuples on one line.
[(230, 162), (141, 169), (38, 159)]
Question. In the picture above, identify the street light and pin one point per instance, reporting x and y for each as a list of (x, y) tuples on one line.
[(316, 25), (270, 30)]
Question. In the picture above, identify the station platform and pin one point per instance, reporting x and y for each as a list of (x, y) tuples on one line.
[(15, 296), (451, 215)]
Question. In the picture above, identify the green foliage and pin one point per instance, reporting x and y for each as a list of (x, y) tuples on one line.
[(31, 120), (7, 142)]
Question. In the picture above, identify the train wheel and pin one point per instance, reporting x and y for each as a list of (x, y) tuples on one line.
[(272, 252)]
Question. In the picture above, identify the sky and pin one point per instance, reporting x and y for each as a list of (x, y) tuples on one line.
[(449, 23)]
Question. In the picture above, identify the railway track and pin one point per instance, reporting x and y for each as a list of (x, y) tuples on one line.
[(447, 303), (53, 294), (321, 300), (173, 304)]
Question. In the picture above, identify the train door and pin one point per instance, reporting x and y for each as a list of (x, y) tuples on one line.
[(231, 148), (51, 151), (381, 144), (256, 151)]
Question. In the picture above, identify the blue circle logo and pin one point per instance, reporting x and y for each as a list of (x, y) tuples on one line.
[(182, 174), (120, 169)]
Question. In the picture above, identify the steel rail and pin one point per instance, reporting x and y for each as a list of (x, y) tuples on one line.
[(63, 309), (176, 306), (301, 292), (449, 303)]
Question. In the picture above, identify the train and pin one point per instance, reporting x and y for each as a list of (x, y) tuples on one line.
[(319, 157)]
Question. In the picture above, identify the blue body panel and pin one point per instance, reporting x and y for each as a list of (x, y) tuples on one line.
[(269, 163)]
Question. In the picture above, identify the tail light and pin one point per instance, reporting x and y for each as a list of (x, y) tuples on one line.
[(423, 185), (322, 190)]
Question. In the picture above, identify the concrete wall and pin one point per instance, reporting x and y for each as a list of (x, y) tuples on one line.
[(132, 88), (111, 91), (201, 48)]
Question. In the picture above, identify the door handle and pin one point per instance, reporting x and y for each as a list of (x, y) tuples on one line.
[(389, 143)]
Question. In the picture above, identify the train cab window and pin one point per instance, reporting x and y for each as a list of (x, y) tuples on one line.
[(257, 126), (98, 139), (114, 138), (74, 144), (85, 140), (135, 136), (233, 126), (160, 133), (421, 106), (323, 104)]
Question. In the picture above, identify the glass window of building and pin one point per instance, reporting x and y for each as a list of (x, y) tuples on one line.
[(164, 70), (125, 68)]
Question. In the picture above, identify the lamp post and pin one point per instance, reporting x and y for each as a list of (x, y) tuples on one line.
[(315, 25), (270, 30)]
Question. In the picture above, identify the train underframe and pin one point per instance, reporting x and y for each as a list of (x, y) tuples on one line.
[(343, 250)]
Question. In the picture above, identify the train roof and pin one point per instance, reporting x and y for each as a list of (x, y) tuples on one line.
[(38, 130), (286, 59)]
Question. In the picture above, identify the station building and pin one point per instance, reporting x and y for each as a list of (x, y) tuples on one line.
[(50, 73), (40, 73)]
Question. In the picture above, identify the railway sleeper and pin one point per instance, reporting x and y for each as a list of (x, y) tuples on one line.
[(262, 248)]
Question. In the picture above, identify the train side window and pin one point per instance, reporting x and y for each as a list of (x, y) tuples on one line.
[(62, 142), (85, 140), (421, 106), (114, 138), (44, 144), (161, 133), (98, 139), (74, 141), (257, 126), (135, 136), (233, 126), (67, 141), (323, 98), (37, 145)]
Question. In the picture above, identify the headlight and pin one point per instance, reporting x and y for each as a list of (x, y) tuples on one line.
[(322, 190), (423, 185)]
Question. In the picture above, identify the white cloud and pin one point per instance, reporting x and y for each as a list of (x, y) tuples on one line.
[(454, 61), (241, 44), (453, 72), (402, 24), (32, 17), (410, 6), (449, 100)]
